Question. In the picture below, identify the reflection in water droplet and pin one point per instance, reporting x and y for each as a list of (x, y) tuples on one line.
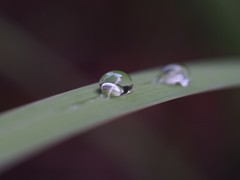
[(115, 83), (173, 74)]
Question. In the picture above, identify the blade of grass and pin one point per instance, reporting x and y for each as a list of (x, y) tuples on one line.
[(23, 57), (28, 129)]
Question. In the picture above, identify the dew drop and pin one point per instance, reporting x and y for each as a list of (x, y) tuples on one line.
[(74, 107), (174, 74), (115, 83)]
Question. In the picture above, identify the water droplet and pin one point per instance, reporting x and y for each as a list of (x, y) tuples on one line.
[(115, 83), (173, 74), (74, 107)]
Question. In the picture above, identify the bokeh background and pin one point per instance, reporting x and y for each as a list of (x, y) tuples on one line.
[(48, 47)]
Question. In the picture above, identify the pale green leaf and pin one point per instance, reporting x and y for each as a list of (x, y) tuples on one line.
[(28, 129)]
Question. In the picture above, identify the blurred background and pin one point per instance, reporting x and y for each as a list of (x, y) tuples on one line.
[(48, 47)]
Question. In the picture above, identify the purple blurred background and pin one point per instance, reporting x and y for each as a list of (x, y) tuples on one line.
[(49, 47)]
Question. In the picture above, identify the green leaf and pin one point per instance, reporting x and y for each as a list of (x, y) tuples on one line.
[(31, 128)]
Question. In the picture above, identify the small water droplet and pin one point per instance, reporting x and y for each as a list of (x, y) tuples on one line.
[(115, 83), (74, 107), (173, 74)]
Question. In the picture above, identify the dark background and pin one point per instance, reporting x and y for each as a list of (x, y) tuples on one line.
[(48, 47)]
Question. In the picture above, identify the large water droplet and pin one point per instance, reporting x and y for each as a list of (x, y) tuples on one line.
[(115, 83), (173, 74)]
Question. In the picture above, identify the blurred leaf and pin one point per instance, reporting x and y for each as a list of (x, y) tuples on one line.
[(31, 66)]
